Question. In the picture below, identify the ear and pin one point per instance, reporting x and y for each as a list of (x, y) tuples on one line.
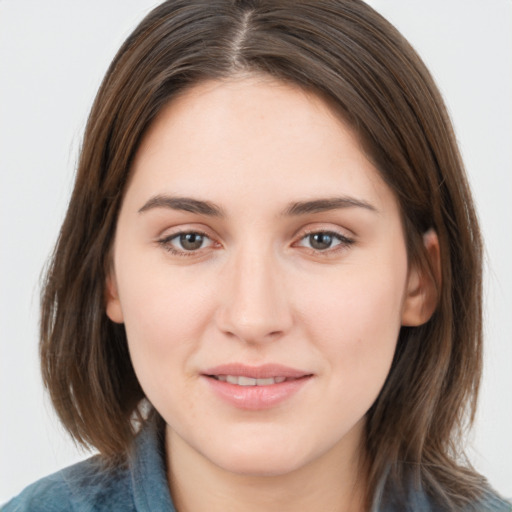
[(423, 285), (112, 302)]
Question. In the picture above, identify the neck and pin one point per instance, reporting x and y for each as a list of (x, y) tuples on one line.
[(334, 482)]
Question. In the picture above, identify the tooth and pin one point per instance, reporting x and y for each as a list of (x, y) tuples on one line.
[(265, 382), (249, 381), (246, 381)]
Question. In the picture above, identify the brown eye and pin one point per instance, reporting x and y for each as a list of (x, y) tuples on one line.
[(320, 241), (191, 241), (325, 241), (186, 243)]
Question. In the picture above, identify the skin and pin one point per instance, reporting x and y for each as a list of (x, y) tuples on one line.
[(260, 290)]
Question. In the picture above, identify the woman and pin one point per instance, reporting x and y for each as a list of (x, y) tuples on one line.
[(267, 285)]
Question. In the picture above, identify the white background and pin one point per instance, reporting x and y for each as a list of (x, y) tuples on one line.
[(53, 55)]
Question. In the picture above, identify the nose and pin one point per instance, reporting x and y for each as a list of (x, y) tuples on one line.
[(255, 306)]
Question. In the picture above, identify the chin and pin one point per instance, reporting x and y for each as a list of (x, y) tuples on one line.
[(261, 461)]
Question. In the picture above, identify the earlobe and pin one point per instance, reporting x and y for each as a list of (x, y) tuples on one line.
[(423, 285), (112, 302)]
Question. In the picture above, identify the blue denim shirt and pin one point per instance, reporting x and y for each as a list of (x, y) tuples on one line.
[(88, 486), (142, 487)]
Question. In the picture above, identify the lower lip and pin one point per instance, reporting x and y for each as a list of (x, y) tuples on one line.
[(256, 398)]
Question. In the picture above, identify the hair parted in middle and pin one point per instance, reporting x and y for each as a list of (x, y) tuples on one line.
[(364, 69)]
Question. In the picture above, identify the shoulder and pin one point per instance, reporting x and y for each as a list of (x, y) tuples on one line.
[(91, 486), (85, 486), (413, 498), (49, 493), (491, 502)]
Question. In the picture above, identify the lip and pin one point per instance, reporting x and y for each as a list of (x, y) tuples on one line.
[(256, 397), (256, 372)]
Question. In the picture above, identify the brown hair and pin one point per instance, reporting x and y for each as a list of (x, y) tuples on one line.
[(346, 52)]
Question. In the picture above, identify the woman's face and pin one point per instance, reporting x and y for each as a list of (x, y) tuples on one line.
[(260, 269)]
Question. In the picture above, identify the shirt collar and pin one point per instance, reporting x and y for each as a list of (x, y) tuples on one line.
[(149, 480)]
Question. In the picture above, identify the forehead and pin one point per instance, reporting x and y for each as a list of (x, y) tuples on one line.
[(246, 137)]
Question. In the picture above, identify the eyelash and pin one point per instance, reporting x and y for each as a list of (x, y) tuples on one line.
[(344, 242), (166, 243)]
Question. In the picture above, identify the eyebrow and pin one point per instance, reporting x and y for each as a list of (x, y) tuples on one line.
[(324, 205), (186, 204), (298, 208)]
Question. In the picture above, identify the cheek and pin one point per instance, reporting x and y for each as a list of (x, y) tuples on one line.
[(357, 323), (165, 311)]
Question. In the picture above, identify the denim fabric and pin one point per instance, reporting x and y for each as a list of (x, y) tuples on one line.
[(417, 501), (142, 487), (90, 487)]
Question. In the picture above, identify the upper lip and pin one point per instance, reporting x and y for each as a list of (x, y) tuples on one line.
[(264, 371)]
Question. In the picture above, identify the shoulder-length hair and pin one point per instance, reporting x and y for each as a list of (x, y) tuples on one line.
[(347, 53)]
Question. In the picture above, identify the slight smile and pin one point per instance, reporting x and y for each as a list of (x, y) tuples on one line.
[(255, 387)]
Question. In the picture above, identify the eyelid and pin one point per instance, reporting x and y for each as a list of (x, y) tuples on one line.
[(325, 227)]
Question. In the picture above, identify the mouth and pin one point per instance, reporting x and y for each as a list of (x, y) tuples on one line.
[(240, 380), (256, 387), (264, 375)]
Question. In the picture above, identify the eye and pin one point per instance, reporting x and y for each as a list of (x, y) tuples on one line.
[(324, 240), (186, 242)]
